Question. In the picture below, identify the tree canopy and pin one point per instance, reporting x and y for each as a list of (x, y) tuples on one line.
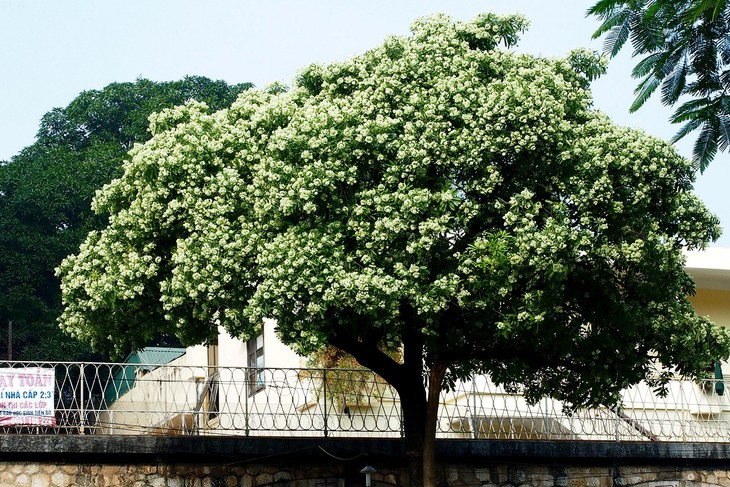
[(437, 195), (46, 192), (685, 54)]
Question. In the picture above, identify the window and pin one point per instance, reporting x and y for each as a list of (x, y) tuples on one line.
[(212, 396), (255, 350)]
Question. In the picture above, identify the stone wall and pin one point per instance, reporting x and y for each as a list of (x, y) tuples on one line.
[(586, 476), (22, 474), (33, 474), (156, 461)]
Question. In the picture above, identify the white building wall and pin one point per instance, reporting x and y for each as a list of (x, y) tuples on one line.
[(291, 402), (232, 351)]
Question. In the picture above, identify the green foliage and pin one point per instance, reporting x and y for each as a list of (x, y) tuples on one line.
[(46, 192), (436, 194), (684, 49)]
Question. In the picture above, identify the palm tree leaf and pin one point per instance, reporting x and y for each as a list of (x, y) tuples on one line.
[(646, 65), (674, 83), (648, 29), (712, 9), (720, 6), (616, 38), (722, 105), (723, 131), (603, 7), (691, 110), (613, 13), (610, 21), (705, 146), (688, 127), (644, 91), (723, 48), (704, 62)]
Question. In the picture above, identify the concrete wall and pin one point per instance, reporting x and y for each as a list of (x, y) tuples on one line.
[(233, 351), (714, 304)]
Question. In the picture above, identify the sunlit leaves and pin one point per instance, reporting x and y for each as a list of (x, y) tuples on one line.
[(437, 195)]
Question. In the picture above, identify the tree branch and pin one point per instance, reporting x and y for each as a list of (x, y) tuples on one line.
[(367, 353)]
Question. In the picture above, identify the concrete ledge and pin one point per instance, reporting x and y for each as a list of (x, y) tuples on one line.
[(199, 449), (586, 452)]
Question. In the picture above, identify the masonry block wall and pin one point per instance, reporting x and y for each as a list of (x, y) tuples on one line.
[(33, 474), (156, 461)]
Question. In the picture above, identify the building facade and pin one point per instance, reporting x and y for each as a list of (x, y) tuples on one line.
[(261, 387)]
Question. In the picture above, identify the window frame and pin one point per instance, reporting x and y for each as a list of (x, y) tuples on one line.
[(255, 364)]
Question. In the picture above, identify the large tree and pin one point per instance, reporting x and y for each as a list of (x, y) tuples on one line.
[(46, 192), (436, 195), (684, 51)]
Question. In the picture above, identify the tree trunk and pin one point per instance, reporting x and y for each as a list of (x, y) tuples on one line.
[(420, 414), (419, 409), (413, 408), (435, 380)]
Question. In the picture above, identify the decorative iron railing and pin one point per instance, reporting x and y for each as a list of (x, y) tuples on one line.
[(181, 399)]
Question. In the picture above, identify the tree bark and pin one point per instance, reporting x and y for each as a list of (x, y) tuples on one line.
[(419, 409), (413, 408), (435, 380), (420, 415)]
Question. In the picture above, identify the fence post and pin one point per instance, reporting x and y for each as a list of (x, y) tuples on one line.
[(548, 426), (400, 413), (324, 389), (474, 417), (246, 398), (82, 407)]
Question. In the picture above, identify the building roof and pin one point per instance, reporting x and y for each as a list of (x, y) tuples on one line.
[(154, 356), (147, 359), (710, 268)]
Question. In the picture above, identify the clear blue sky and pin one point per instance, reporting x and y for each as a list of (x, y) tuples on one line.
[(52, 50)]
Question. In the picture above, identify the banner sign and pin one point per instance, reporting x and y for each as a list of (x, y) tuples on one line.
[(27, 396)]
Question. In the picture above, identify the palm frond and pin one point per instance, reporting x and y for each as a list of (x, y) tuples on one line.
[(603, 7), (723, 12), (705, 147), (722, 105), (711, 9), (723, 48), (674, 83), (648, 30), (646, 65), (695, 109), (611, 18), (688, 127), (704, 61), (720, 6), (616, 38), (723, 131), (654, 9), (644, 91)]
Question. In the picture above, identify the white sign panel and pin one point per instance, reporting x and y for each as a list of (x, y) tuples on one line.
[(27, 397)]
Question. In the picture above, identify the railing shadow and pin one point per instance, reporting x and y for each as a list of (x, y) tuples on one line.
[(186, 399)]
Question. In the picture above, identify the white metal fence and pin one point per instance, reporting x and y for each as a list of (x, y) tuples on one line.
[(131, 399)]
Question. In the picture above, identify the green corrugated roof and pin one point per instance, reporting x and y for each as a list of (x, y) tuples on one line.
[(124, 375), (155, 356)]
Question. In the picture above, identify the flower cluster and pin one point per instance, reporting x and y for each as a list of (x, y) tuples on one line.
[(435, 183)]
